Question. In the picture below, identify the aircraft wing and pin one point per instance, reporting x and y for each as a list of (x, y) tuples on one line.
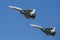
[(50, 29), (39, 27), (16, 8), (47, 31), (27, 16)]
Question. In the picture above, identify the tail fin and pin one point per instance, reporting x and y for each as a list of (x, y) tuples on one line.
[(16, 8), (53, 29)]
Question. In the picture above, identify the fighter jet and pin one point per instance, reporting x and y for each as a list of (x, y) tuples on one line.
[(47, 31), (29, 13)]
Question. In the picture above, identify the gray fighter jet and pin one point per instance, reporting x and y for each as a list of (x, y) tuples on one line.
[(47, 31), (30, 13)]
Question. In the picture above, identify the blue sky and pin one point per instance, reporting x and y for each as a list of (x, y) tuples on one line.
[(14, 26)]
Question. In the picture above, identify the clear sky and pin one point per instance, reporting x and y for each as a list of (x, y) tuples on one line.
[(14, 26)]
